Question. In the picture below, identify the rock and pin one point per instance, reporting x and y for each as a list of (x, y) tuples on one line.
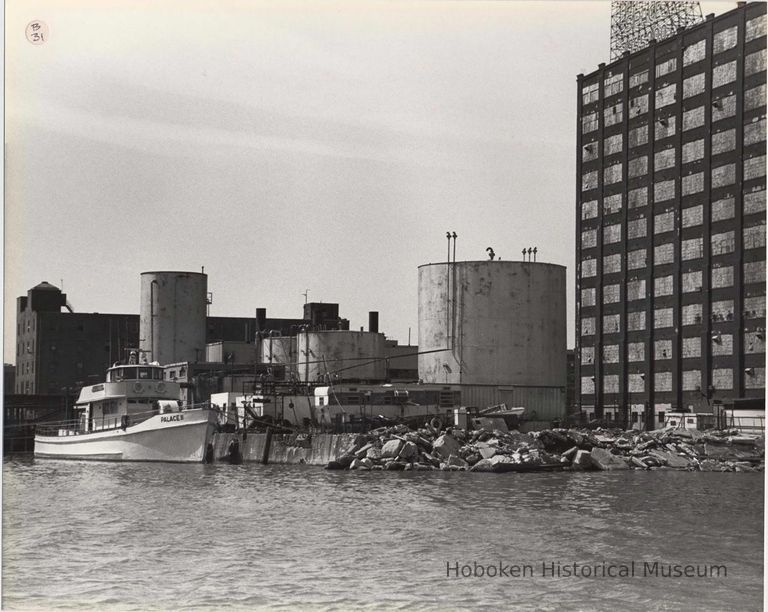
[(484, 465), (363, 451), (364, 463), (392, 448), (487, 452), (554, 441), (445, 446), (582, 460), (570, 453), (373, 454), (473, 458), (635, 461), (604, 460), (395, 466), (408, 452), (455, 460)]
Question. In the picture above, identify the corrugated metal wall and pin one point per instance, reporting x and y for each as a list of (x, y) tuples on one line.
[(541, 403)]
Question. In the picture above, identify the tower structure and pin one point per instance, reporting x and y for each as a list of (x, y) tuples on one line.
[(634, 23)]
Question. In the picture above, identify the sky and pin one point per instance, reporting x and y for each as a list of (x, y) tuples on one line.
[(289, 147)]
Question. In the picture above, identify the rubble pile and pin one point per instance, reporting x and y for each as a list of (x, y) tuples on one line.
[(427, 448)]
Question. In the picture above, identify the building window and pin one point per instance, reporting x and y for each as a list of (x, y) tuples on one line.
[(722, 344), (755, 97), (589, 123), (636, 321), (612, 233), (662, 381), (754, 272), (611, 383), (722, 310), (692, 281), (588, 268), (613, 84), (666, 95), (722, 277), (724, 175), (587, 354), (587, 385), (638, 166), (663, 254), (662, 317), (691, 380), (754, 342), (612, 263), (755, 28), (664, 159), (589, 210), (613, 144), (589, 152), (754, 132), (636, 290), (725, 73), (754, 237), (588, 326), (637, 197), (695, 53), (724, 40), (612, 204), (662, 349), (663, 285), (665, 126), (754, 201), (611, 353), (664, 190), (611, 294), (723, 243), (693, 151), (754, 63), (665, 67), (754, 307), (638, 136), (665, 222), (612, 174), (613, 114), (588, 239), (637, 228), (754, 167), (692, 347), (722, 142), (636, 351), (693, 183), (636, 259), (723, 108), (693, 216), (589, 180), (722, 378), (755, 379), (691, 314), (638, 106), (693, 118), (693, 85), (588, 297), (723, 209), (590, 93), (638, 78)]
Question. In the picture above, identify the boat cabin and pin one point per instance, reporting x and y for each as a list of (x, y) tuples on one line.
[(132, 393)]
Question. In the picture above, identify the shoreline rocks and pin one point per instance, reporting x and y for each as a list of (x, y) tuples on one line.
[(400, 448)]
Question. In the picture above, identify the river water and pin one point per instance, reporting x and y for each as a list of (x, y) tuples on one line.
[(163, 536)]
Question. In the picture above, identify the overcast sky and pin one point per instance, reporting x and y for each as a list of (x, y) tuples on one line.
[(289, 146)]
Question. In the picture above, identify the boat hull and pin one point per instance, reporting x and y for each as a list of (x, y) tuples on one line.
[(172, 437)]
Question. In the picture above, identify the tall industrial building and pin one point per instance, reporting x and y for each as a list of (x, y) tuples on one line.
[(670, 238)]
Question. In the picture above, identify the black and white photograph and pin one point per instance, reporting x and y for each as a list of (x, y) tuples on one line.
[(384, 305)]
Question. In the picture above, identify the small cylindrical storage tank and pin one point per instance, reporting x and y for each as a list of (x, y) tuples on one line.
[(342, 355), (501, 323), (172, 316)]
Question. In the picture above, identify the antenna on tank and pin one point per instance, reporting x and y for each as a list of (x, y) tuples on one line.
[(534, 253)]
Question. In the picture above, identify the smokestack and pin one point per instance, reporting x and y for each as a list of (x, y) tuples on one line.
[(373, 321), (261, 319)]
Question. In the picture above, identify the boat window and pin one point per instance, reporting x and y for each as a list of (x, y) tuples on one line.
[(158, 374), (145, 373)]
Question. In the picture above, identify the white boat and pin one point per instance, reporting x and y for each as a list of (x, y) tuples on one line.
[(134, 416)]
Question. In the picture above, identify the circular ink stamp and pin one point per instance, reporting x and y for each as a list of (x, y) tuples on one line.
[(37, 32)]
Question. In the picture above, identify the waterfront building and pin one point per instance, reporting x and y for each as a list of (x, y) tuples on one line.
[(670, 224)]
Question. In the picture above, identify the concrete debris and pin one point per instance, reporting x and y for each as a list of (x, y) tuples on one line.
[(484, 450)]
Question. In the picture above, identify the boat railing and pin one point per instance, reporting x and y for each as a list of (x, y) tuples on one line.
[(75, 427)]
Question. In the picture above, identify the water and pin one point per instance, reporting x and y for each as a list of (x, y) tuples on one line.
[(143, 536)]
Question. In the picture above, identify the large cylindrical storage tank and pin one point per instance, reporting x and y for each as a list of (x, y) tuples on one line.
[(172, 316), (502, 323), (342, 354), (279, 350)]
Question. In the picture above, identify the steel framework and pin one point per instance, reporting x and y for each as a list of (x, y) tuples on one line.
[(634, 23)]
